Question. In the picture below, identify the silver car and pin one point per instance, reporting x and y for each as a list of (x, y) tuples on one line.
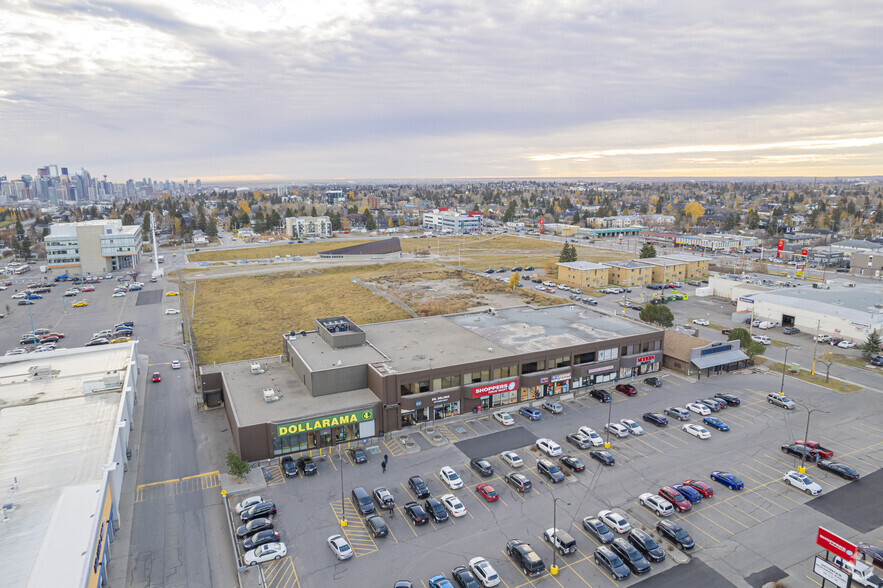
[(677, 412), (781, 400)]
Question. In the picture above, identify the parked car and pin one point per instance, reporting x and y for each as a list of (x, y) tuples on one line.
[(264, 553), (484, 571), (421, 490), (530, 413), (597, 529), (262, 509), (677, 499), (802, 482), (701, 487), (654, 381), (363, 501), (842, 470), (572, 462), (253, 526), (657, 504), (648, 546), (358, 455), (627, 389), (339, 546), (600, 395), (655, 418), (376, 525), (617, 429), (289, 467), (550, 470), (549, 447), (633, 558), (729, 480), (780, 400), (677, 413), (482, 466), (416, 513), (715, 422), (607, 559), (487, 491), (689, 492), (674, 533), (384, 498), (435, 509), (520, 482), (790, 330), (512, 459), (579, 440), (799, 451), (552, 406), (248, 503), (307, 466), (259, 538), (823, 452), (633, 427), (728, 398), (615, 521), (594, 437), (699, 408), (504, 418), (450, 477), (453, 505)]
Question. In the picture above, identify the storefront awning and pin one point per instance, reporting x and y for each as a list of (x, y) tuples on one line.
[(716, 359)]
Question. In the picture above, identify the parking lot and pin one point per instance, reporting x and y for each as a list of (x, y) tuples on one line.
[(737, 533)]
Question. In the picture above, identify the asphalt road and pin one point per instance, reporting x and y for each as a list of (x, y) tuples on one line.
[(738, 533)]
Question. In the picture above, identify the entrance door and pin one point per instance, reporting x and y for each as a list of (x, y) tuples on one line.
[(787, 320)]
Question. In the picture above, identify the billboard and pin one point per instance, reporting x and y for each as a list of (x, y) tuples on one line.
[(780, 247), (542, 226), (836, 545)]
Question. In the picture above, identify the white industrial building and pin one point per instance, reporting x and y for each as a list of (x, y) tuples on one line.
[(451, 221), (845, 311), (95, 246), (65, 423), (308, 227)]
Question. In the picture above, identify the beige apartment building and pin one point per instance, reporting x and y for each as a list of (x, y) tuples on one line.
[(664, 270), (583, 274), (629, 273), (696, 268)]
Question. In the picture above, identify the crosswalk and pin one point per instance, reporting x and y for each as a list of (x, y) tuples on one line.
[(166, 488), (356, 533)]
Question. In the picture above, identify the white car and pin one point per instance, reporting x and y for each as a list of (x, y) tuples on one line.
[(820, 338), (697, 431), (248, 503), (504, 418), (802, 482), (119, 294), (451, 478), (512, 459), (484, 571), (594, 437), (19, 295), (176, 365), (633, 427), (617, 429), (266, 552), (453, 505), (846, 344), (615, 521), (340, 547), (549, 447), (702, 322), (699, 408), (657, 504), (173, 311)]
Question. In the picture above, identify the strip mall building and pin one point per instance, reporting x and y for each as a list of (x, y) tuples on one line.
[(345, 383)]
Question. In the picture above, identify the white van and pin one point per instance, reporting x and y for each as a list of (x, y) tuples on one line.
[(764, 325), (761, 339)]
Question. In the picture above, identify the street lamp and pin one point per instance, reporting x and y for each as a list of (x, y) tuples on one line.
[(554, 569), (784, 363), (343, 522), (809, 412), (609, 415)]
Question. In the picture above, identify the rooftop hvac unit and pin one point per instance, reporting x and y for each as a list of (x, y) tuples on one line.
[(270, 395), (257, 369)]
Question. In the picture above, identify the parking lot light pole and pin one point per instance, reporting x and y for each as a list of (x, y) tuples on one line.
[(809, 412), (343, 522), (609, 416), (554, 569), (785, 363)]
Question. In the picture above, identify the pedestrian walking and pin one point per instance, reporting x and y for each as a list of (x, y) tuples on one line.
[(383, 466), (385, 458)]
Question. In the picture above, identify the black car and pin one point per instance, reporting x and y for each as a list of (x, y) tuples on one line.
[(728, 398), (529, 268), (519, 481), (436, 510), (421, 490), (790, 330), (517, 268), (550, 470), (878, 360), (600, 394), (633, 558), (597, 529), (675, 534), (265, 536), (358, 455), (655, 382), (603, 456), (657, 419), (417, 514), (253, 526), (572, 462), (799, 450), (289, 467), (482, 466), (376, 525), (261, 509), (842, 470), (606, 558), (875, 554), (307, 465), (490, 271), (464, 578), (646, 545)]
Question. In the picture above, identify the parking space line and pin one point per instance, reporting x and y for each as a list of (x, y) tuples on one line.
[(281, 573), (876, 432), (747, 494), (395, 449), (814, 580), (640, 438), (659, 438), (275, 473), (740, 510), (568, 563), (701, 530), (447, 433), (356, 533), (470, 426), (407, 520)]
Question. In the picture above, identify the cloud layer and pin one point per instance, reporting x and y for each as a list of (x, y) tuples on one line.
[(378, 89)]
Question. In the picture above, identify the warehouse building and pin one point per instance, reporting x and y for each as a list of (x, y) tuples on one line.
[(343, 382), (65, 423)]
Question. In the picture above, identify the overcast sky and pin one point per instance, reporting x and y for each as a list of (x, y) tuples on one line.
[(315, 89)]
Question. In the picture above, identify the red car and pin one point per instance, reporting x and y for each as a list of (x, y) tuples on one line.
[(88, 289), (678, 500), (59, 335), (488, 492), (157, 377), (823, 452), (701, 487), (627, 389)]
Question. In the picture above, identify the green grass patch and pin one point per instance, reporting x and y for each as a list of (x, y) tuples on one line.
[(819, 380)]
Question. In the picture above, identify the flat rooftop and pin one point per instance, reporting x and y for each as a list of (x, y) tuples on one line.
[(583, 265), (856, 303), (627, 264), (54, 439), (245, 391), (683, 257), (319, 356)]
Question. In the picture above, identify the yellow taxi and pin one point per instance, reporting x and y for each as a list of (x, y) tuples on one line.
[(79, 304), (171, 293)]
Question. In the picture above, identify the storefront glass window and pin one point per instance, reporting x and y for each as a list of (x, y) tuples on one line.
[(446, 410), (534, 366)]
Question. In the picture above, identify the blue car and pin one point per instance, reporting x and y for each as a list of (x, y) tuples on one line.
[(530, 412), (727, 479), (689, 492), (33, 297), (657, 419), (715, 422), (440, 581)]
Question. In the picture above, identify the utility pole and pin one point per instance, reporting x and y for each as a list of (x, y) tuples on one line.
[(815, 346)]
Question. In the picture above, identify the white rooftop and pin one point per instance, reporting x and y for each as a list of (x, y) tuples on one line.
[(54, 439)]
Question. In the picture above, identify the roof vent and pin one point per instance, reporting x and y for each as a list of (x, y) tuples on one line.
[(40, 371), (270, 395)]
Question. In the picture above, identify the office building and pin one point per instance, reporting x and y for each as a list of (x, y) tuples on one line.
[(92, 247)]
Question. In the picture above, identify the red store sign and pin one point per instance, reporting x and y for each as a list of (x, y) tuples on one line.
[(836, 545), (507, 386), (647, 358)]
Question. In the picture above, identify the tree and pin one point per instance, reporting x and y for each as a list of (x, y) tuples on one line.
[(647, 251), (513, 280), (694, 211), (370, 224), (511, 210), (568, 253), (752, 219), (872, 346), (128, 220), (238, 467), (658, 314), (751, 348), (551, 269), (731, 222), (576, 217)]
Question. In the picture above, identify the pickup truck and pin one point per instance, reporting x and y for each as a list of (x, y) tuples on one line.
[(823, 452), (862, 574)]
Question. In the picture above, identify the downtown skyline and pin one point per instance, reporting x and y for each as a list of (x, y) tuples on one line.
[(263, 91)]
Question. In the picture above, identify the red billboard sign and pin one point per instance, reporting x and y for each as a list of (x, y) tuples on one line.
[(836, 544), (506, 386), (804, 252), (647, 358), (542, 226), (780, 247)]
